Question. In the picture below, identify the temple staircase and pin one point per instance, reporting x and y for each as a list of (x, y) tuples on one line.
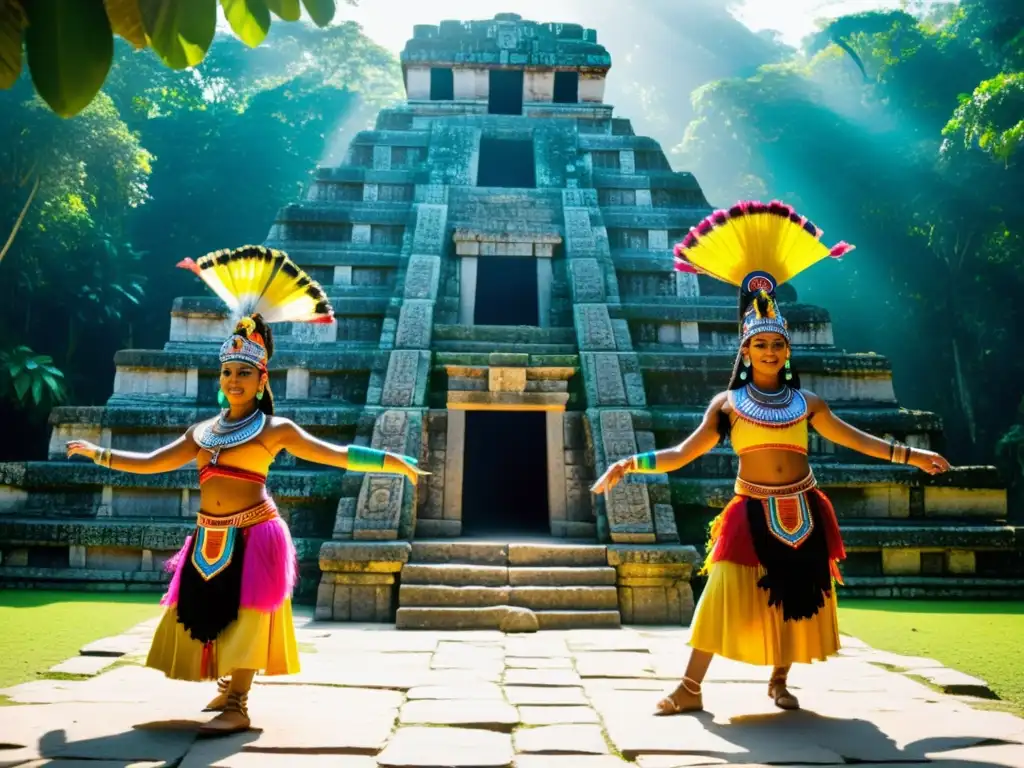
[(459, 584)]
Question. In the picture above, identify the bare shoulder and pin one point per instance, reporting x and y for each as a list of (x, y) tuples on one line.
[(719, 404), (280, 426), (814, 403)]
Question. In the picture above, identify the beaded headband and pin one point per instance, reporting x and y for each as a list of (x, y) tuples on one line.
[(249, 349)]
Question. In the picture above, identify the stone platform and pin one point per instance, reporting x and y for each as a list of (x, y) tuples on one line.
[(369, 695)]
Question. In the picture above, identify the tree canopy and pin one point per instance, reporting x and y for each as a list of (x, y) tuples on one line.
[(69, 46)]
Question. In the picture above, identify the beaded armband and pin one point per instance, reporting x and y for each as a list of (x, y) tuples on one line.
[(646, 463)]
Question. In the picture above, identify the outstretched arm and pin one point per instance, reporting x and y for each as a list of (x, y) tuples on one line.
[(700, 441), (169, 457), (298, 442), (831, 427)]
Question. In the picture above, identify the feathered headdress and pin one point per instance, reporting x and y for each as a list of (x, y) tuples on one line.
[(254, 280), (757, 247)]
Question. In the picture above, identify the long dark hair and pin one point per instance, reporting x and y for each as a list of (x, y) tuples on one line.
[(266, 404)]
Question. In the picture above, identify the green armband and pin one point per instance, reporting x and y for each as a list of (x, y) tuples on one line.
[(647, 462), (362, 459)]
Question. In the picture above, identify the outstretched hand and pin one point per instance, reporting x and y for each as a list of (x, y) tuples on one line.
[(611, 477), (410, 470), (928, 461), (82, 448)]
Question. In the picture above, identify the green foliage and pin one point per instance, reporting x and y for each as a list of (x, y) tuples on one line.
[(70, 45), (70, 48), (867, 132), (29, 379), (992, 117)]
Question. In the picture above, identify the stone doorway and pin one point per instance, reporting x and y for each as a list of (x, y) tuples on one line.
[(505, 95), (506, 163), (506, 292), (505, 476)]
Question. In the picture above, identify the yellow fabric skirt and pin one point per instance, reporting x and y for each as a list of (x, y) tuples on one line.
[(733, 620), (255, 640)]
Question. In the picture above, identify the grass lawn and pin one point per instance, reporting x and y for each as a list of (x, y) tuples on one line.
[(41, 629), (978, 638)]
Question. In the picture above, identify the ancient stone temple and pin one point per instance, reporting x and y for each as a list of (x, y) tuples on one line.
[(498, 253)]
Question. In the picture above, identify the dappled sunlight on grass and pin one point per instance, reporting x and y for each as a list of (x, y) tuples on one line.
[(978, 638), (42, 628)]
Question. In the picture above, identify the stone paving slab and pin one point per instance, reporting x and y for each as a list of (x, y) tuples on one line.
[(492, 715), (83, 665), (370, 695), (555, 715), (446, 748), (570, 761), (562, 739)]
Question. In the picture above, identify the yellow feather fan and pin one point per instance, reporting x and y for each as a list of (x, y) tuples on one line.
[(257, 280), (754, 237)]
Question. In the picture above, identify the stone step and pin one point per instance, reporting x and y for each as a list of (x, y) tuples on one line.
[(504, 333), (562, 576), (455, 575), (449, 618), (561, 599), (490, 618), (434, 596), (469, 552), (534, 598), (548, 555), (579, 619), (514, 347)]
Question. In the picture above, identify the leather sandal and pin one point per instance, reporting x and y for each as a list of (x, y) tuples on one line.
[(218, 702), (778, 691), (233, 719), (685, 698)]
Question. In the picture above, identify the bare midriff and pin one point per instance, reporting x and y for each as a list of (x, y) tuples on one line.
[(773, 467), (222, 496)]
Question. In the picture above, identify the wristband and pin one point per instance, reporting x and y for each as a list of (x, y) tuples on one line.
[(103, 457), (646, 462), (362, 459)]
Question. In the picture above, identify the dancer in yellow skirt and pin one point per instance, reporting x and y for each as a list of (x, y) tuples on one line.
[(228, 608), (772, 559)]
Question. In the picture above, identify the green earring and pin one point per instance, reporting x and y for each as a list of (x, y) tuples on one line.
[(259, 395), (222, 399), (789, 373)]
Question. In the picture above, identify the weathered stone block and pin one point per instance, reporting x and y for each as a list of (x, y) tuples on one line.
[(506, 379), (415, 323), (901, 562), (960, 562)]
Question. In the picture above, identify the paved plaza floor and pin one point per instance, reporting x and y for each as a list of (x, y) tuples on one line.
[(369, 695)]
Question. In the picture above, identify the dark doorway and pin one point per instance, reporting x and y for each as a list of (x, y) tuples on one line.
[(506, 291), (442, 85), (506, 163), (567, 87), (505, 474), (506, 92)]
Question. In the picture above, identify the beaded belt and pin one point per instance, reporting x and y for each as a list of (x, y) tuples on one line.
[(215, 537), (247, 518), (786, 511), (744, 488)]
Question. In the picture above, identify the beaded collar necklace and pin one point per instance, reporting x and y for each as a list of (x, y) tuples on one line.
[(217, 434), (771, 409)]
